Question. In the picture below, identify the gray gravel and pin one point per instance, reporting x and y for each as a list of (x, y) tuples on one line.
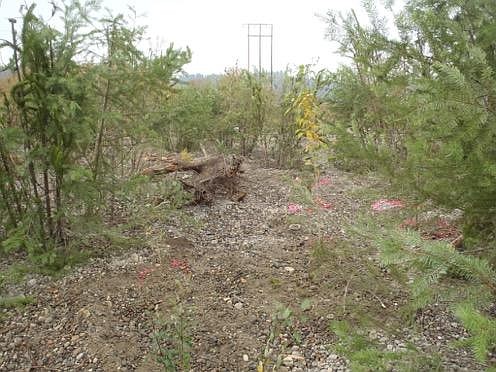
[(99, 317)]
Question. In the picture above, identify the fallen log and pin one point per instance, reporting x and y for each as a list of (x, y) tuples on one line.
[(174, 163), (211, 174)]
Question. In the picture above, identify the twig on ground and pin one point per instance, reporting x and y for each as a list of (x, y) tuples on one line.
[(378, 299), (345, 294)]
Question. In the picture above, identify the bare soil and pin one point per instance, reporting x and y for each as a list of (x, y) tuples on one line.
[(232, 267)]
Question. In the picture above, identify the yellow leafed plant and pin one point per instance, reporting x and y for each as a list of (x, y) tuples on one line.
[(260, 366), (305, 106), (185, 155)]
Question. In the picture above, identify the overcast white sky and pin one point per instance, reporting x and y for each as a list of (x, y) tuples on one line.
[(215, 31)]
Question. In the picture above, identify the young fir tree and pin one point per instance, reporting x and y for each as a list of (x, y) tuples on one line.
[(421, 107), (69, 123)]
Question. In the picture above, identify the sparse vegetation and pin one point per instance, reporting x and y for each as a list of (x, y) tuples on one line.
[(283, 332), (86, 114), (15, 302), (366, 354), (172, 340)]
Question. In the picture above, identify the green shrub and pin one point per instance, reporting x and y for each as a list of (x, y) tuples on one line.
[(69, 137), (420, 107)]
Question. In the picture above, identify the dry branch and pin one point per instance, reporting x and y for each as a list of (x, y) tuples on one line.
[(211, 174)]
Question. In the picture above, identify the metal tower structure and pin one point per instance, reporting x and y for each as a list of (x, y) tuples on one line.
[(260, 31)]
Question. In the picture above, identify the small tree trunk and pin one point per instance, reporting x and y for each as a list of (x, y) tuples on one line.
[(105, 105), (10, 211), (58, 203), (11, 177), (48, 206), (101, 131)]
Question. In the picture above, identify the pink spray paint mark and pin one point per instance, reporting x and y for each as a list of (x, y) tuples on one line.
[(385, 204), (294, 208), (143, 274), (180, 265)]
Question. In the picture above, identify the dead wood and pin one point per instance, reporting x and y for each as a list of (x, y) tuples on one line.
[(211, 175), (457, 242), (174, 163)]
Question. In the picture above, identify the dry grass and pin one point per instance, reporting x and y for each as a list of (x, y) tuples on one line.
[(6, 83)]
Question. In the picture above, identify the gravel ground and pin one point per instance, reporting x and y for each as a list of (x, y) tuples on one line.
[(229, 264)]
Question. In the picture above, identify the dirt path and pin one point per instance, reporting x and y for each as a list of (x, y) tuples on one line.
[(228, 270)]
